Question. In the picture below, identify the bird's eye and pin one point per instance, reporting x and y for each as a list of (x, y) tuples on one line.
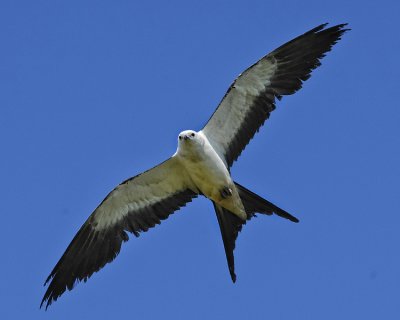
[(192, 134), (180, 137)]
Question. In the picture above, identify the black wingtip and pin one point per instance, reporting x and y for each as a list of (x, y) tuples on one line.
[(339, 29), (323, 26), (43, 301), (41, 304), (318, 28), (48, 279), (46, 302)]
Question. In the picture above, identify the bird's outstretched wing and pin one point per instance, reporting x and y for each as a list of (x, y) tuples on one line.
[(251, 97), (135, 205)]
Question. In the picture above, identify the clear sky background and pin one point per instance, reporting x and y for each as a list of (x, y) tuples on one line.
[(93, 92)]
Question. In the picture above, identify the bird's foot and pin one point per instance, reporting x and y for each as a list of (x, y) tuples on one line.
[(226, 192)]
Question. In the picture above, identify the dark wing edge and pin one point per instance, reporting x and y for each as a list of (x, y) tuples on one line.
[(294, 62), (91, 249)]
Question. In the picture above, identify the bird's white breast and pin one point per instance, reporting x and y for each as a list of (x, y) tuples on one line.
[(209, 173), (204, 166)]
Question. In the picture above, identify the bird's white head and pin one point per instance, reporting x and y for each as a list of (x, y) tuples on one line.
[(190, 140)]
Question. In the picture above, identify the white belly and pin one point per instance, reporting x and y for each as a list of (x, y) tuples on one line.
[(210, 176)]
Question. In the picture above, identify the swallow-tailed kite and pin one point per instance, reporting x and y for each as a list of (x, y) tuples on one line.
[(200, 166)]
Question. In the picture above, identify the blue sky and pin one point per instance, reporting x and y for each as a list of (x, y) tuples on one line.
[(93, 92)]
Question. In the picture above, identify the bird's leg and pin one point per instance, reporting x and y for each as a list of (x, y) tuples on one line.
[(226, 192)]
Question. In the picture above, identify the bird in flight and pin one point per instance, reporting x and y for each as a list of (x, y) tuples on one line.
[(200, 166)]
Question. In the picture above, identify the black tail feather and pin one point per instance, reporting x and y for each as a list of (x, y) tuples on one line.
[(253, 203), (230, 226)]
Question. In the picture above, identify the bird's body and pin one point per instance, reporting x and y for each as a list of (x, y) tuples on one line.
[(208, 172), (200, 166)]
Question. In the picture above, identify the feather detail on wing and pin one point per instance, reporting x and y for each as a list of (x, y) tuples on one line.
[(135, 205), (251, 98)]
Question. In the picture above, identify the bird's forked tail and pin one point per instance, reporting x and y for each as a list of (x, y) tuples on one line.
[(231, 225)]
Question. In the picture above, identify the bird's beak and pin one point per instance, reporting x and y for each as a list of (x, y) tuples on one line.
[(185, 137)]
